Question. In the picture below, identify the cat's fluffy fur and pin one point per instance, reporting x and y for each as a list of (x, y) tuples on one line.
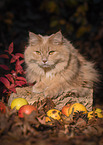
[(56, 66)]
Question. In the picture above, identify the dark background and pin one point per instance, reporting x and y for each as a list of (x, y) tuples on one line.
[(81, 21)]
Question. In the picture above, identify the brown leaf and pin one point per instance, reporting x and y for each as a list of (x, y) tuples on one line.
[(81, 122)]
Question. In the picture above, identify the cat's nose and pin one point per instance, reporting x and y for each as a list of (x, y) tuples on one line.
[(44, 60)]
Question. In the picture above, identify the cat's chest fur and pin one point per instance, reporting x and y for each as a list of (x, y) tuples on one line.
[(49, 75)]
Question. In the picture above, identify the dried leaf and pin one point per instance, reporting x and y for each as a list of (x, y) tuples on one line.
[(42, 121), (81, 122)]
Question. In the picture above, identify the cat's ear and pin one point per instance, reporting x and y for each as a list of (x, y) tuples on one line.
[(56, 38), (34, 39)]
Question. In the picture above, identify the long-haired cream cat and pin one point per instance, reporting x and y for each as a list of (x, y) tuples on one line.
[(56, 66)]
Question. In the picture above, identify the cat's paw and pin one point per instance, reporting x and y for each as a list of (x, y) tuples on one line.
[(38, 88), (49, 92)]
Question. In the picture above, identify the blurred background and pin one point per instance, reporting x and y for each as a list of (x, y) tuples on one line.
[(81, 21)]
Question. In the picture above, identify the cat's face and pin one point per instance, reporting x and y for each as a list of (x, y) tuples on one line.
[(46, 51)]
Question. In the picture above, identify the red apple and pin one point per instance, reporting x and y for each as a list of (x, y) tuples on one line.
[(26, 109), (65, 109), (2, 107)]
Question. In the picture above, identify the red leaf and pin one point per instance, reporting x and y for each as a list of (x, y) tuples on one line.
[(20, 55), (10, 78), (2, 107), (5, 90), (5, 82), (10, 49), (13, 90), (22, 61), (20, 83), (14, 58), (14, 74), (18, 67), (21, 78), (4, 67), (10, 90), (4, 56)]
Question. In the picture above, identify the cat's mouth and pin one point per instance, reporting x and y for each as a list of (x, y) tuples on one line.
[(45, 66)]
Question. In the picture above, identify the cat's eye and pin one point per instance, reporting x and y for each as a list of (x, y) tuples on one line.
[(51, 52), (38, 52)]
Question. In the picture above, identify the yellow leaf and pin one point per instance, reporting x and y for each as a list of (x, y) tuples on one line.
[(82, 30), (62, 21), (51, 6), (54, 23), (8, 21)]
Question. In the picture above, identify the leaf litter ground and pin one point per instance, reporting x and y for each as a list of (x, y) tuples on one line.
[(32, 129)]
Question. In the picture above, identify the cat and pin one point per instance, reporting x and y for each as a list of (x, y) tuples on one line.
[(55, 66)]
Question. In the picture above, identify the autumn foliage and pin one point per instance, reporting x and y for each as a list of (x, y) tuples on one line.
[(15, 75)]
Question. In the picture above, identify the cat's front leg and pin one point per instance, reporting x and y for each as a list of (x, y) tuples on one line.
[(39, 87), (53, 90)]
